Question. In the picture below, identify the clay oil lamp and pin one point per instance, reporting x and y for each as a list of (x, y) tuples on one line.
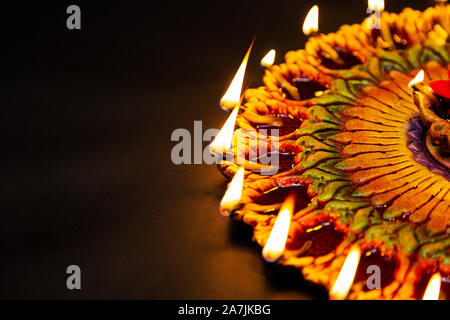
[(297, 81), (368, 164)]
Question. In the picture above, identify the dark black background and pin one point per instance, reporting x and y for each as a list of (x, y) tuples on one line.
[(85, 170)]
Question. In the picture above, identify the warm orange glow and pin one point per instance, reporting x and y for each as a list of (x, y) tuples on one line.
[(223, 140), (433, 288), (233, 95), (418, 78), (269, 59), (232, 196), (274, 247), (344, 281), (311, 24), (376, 5)]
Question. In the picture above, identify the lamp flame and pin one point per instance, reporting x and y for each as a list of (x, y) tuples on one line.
[(223, 140), (269, 59), (233, 95), (311, 23), (276, 243), (376, 5), (433, 288), (417, 79), (346, 276), (232, 196)]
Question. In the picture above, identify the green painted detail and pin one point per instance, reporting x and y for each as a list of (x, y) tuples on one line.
[(428, 55), (361, 219), (374, 67), (319, 176), (395, 58), (375, 218), (309, 143), (328, 141), (330, 189), (344, 207), (386, 232), (336, 108), (341, 86), (356, 73), (390, 66), (437, 250), (325, 134), (442, 52), (423, 236), (342, 194), (331, 99), (342, 165), (328, 166), (359, 193), (391, 214), (322, 114), (413, 56), (316, 157), (310, 127), (355, 84), (407, 239)]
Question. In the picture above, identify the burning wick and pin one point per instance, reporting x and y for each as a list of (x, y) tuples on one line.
[(311, 23), (346, 276), (268, 59), (433, 288), (223, 141), (232, 197), (276, 243), (233, 95), (417, 79)]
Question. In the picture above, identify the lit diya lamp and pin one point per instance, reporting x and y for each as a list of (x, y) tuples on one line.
[(433, 101), (363, 209), (296, 81)]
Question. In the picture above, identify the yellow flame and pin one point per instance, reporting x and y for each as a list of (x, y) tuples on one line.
[(344, 281), (274, 247), (417, 79), (269, 59), (311, 23), (233, 95), (223, 140), (433, 288), (376, 5), (232, 196)]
